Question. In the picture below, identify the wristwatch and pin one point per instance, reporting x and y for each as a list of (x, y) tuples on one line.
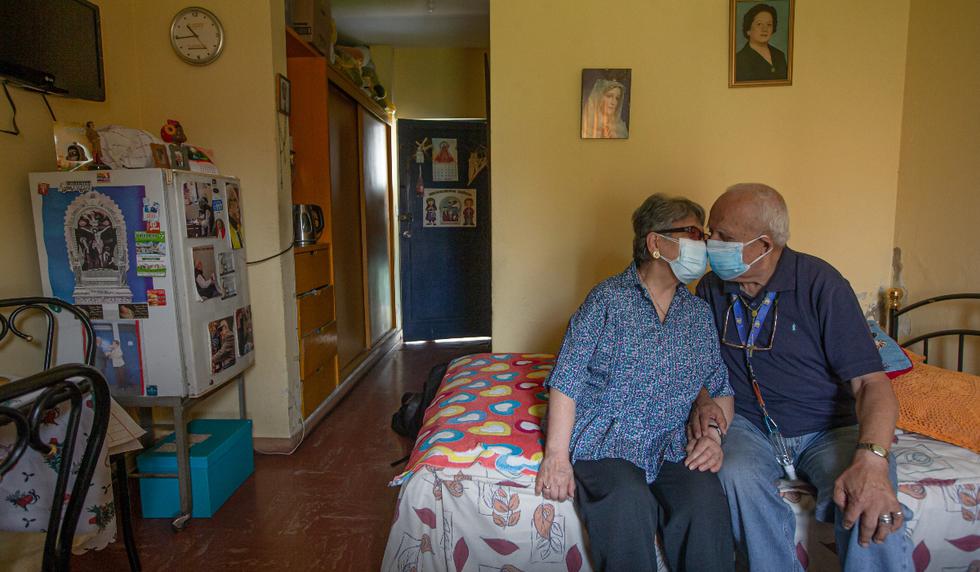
[(874, 448)]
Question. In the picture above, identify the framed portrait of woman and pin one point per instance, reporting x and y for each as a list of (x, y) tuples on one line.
[(606, 103), (761, 43)]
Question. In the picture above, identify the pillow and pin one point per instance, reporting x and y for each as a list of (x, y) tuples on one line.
[(893, 357), (941, 404), (488, 411)]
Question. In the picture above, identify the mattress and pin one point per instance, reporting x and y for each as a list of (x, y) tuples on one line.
[(473, 508)]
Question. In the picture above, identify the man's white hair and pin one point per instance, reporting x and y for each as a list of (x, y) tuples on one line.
[(771, 209)]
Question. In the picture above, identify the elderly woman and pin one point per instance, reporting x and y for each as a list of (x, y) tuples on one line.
[(635, 356), (759, 60), (602, 115)]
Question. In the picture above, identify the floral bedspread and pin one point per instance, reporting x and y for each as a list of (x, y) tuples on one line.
[(467, 501), (480, 520), (938, 482)]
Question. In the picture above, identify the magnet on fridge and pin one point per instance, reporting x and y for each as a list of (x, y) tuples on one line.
[(156, 297), (134, 311), (94, 311)]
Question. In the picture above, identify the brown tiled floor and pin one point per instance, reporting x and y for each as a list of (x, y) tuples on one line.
[(326, 507)]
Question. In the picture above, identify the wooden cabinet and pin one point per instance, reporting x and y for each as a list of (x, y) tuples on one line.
[(341, 161), (349, 247), (317, 325), (312, 267)]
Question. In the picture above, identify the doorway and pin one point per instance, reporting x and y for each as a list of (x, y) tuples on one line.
[(444, 228)]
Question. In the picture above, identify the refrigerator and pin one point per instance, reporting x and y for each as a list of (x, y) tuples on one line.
[(156, 258)]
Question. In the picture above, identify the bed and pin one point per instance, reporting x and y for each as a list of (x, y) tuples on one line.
[(467, 499)]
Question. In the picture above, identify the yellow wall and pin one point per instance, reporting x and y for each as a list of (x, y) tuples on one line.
[(939, 175), (429, 83), (228, 106), (561, 205), (33, 150)]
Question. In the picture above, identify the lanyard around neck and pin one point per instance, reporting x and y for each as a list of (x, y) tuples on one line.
[(748, 336), (758, 317)]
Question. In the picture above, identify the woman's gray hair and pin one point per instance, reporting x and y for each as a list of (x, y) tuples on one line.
[(659, 212), (773, 216)]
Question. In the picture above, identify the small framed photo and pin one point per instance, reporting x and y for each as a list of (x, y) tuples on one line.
[(178, 156), (761, 43), (161, 157), (606, 103), (283, 93)]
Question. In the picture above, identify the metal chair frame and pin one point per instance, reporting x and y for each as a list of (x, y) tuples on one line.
[(57, 550), (56, 387)]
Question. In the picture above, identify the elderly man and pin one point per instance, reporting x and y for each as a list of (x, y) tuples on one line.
[(810, 395)]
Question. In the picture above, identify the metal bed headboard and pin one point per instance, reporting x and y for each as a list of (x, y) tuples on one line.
[(895, 310)]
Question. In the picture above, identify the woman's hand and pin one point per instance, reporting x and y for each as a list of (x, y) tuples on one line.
[(555, 478), (704, 454)]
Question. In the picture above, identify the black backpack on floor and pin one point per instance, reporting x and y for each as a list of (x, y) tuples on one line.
[(407, 421)]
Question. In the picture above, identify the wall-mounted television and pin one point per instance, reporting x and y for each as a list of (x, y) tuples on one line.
[(53, 45)]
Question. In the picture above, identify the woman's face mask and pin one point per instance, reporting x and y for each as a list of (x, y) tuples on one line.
[(691, 261), (726, 258)]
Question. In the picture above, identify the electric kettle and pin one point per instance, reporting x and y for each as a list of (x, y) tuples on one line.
[(307, 224)]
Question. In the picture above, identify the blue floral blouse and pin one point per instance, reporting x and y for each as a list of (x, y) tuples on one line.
[(633, 378)]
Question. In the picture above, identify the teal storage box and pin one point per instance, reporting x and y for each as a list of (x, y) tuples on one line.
[(219, 465)]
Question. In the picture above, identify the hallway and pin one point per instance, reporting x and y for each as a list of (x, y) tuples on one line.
[(325, 507)]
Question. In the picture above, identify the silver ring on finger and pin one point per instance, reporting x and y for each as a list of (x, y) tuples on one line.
[(886, 518), (546, 487)]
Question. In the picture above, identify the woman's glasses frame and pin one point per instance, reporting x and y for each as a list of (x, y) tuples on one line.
[(693, 232)]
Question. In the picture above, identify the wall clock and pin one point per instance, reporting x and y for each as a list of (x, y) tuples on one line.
[(197, 36)]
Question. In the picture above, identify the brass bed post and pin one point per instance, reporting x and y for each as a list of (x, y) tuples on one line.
[(895, 296)]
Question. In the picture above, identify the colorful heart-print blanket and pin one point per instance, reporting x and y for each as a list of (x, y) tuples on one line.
[(488, 411)]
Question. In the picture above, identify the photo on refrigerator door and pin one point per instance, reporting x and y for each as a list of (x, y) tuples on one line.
[(89, 239), (118, 355), (198, 212), (222, 338), (229, 288), (235, 227), (226, 262), (243, 326), (205, 277)]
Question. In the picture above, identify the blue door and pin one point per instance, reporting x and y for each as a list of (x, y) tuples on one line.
[(444, 228)]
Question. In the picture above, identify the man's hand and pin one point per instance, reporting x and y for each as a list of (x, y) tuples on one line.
[(555, 479), (704, 454), (704, 413), (864, 491)]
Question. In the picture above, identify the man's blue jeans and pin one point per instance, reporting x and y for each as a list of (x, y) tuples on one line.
[(764, 525)]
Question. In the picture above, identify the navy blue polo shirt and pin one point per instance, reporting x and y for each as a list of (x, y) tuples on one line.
[(821, 342)]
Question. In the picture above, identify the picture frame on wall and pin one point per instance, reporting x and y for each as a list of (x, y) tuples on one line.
[(283, 94), (761, 43), (606, 103)]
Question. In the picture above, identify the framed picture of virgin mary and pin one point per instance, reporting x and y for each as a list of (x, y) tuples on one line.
[(761, 43), (606, 103)]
